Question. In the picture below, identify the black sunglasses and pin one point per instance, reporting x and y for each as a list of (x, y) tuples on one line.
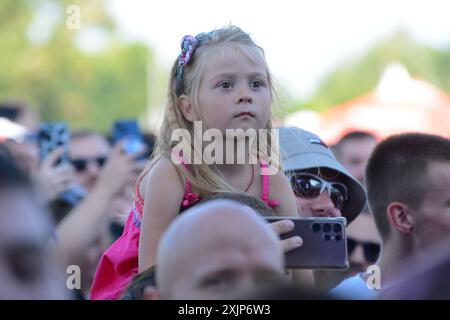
[(371, 249), (81, 164), (310, 186)]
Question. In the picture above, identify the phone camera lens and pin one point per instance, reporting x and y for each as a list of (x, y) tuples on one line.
[(316, 227), (337, 228), (327, 237), (326, 227), (338, 237)]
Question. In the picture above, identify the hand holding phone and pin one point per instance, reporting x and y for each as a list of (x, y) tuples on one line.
[(51, 136), (324, 243), (128, 131), (53, 141)]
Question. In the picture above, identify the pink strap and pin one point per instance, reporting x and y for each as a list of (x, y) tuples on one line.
[(266, 187), (189, 197), (138, 187), (139, 203)]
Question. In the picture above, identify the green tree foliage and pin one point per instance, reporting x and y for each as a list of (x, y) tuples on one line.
[(64, 82), (361, 75)]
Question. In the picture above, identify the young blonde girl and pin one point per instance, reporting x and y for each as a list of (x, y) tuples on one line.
[(221, 79)]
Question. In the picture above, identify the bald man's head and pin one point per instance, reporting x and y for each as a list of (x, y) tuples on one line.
[(216, 250)]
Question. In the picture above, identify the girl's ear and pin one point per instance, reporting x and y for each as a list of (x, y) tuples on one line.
[(184, 103)]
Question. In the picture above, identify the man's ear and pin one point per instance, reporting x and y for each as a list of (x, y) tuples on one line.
[(400, 216), (151, 293), (184, 103)]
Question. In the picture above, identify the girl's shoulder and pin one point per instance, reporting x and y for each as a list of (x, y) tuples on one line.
[(163, 172)]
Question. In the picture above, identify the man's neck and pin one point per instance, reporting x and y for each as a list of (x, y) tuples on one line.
[(393, 257)]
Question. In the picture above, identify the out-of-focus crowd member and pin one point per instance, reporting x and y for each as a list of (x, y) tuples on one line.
[(353, 151), (363, 244), (88, 153), (408, 178), (21, 113), (27, 268), (321, 185), (216, 250), (142, 286), (256, 204), (84, 232)]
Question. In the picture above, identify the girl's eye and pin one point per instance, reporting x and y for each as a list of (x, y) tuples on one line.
[(256, 84), (226, 85)]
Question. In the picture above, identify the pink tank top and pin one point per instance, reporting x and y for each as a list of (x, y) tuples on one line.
[(119, 264)]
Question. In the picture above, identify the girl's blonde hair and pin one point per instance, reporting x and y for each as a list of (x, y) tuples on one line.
[(206, 178)]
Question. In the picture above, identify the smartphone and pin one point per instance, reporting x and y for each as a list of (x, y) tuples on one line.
[(128, 129), (324, 243), (51, 136)]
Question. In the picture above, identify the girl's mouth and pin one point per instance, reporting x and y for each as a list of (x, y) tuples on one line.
[(245, 113)]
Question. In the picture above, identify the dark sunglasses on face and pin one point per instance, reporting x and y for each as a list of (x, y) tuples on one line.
[(371, 249), (310, 186), (81, 164)]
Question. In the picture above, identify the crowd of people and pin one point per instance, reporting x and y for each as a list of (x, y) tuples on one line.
[(165, 229)]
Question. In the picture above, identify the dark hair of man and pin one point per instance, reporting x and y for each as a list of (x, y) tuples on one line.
[(256, 204), (11, 176)]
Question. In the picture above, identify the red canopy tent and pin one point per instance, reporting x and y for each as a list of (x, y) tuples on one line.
[(398, 104)]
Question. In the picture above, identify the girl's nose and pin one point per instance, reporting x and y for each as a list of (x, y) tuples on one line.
[(245, 99)]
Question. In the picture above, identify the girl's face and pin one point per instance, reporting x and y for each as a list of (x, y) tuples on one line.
[(234, 92)]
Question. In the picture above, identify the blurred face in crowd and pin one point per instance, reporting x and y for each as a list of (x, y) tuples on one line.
[(354, 155), (315, 206), (363, 244), (26, 154), (219, 255), (26, 269), (432, 217), (88, 154)]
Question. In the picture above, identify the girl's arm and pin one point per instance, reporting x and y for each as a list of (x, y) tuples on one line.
[(163, 192), (280, 189)]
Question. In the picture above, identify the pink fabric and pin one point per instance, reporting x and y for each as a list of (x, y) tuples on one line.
[(119, 264)]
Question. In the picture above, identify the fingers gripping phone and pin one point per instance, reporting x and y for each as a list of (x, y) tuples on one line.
[(129, 130), (55, 135), (324, 243)]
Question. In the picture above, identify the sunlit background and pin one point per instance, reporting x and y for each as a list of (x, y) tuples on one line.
[(382, 66)]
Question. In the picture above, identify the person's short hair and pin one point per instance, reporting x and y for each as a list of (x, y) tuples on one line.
[(256, 204), (12, 110), (5, 152), (356, 135), (397, 170), (83, 133), (135, 290), (12, 176), (351, 136)]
